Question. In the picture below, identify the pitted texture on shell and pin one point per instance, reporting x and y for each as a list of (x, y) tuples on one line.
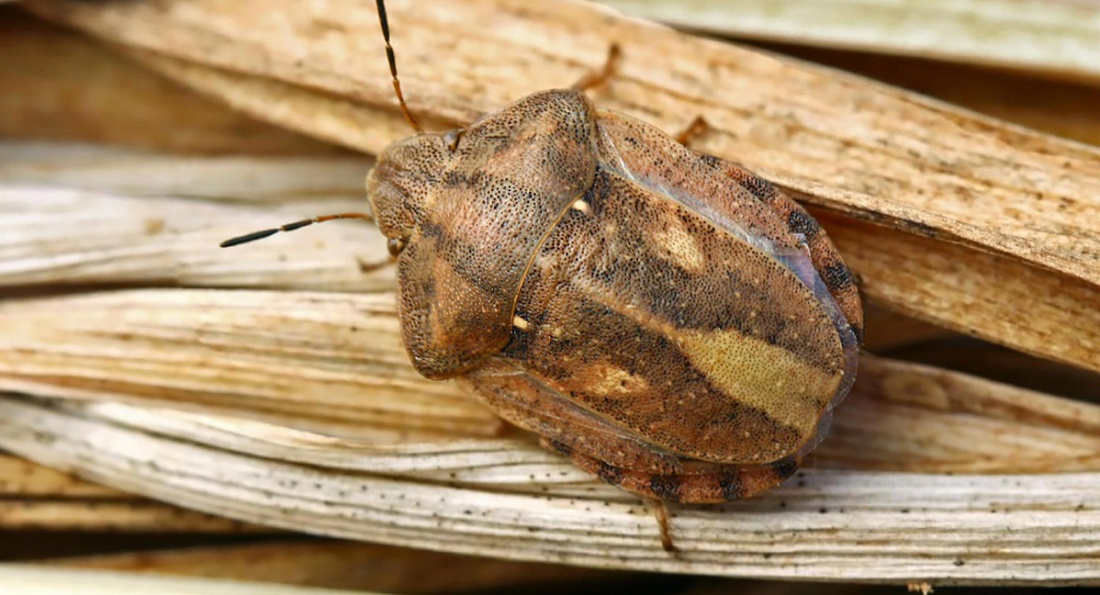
[(826, 260), (647, 313), (668, 320), (481, 220), (400, 183)]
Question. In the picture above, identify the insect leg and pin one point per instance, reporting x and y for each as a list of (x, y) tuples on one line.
[(660, 509), (598, 77), (694, 130)]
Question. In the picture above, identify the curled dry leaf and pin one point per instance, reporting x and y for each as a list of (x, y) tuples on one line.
[(993, 199)]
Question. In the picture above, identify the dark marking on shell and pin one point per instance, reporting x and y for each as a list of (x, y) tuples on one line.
[(666, 487), (609, 473), (561, 448), (732, 487), (837, 277), (785, 468), (800, 221)]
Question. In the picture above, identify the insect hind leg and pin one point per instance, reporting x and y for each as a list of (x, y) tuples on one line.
[(660, 510), (694, 130), (596, 78)]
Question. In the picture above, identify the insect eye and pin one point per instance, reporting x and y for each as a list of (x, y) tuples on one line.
[(396, 245), (451, 138)]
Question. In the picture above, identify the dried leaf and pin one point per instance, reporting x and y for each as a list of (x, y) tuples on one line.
[(309, 360), (232, 178), (334, 363), (70, 88), (1060, 107), (1054, 37), (826, 524), (341, 565), (37, 580), (33, 497), (52, 235)]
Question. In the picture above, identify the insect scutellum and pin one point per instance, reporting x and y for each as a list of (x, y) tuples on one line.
[(394, 246)]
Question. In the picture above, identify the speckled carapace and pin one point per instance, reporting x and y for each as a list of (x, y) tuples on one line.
[(669, 321)]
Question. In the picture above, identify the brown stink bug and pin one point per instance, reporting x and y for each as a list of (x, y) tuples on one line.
[(669, 321)]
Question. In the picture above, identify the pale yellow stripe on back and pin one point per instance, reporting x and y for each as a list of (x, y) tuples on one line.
[(759, 375), (750, 371)]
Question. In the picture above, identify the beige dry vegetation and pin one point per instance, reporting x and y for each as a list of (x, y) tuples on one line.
[(269, 385)]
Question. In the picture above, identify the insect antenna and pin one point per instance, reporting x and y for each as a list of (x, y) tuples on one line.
[(393, 67), (263, 233)]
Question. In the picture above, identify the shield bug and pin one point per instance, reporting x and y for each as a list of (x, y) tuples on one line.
[(670, 322)]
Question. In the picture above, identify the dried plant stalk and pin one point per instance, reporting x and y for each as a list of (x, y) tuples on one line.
[(1064, 108), (70, 88), (36, 497), (1056, 38), (340, 565), (247, 178), (875, 526), (40, 580), (53, 235), (910, 165), (331, 361), (335, 363)]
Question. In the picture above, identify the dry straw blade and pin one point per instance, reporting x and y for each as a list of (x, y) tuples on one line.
[(827, 524), (342, 565), (992, 200), (243, 179), (1052, 37), (66, 236), (333, 363), (33, 497), (38, 580), (72, 88)]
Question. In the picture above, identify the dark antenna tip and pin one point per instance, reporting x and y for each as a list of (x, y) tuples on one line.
[(249, 237), (259, 235)]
